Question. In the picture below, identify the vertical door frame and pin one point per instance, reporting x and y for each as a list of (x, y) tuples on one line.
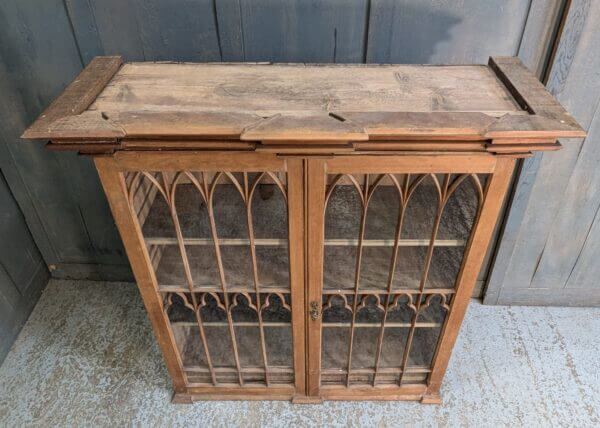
[(111, 168), (500, 170), (316, 180)]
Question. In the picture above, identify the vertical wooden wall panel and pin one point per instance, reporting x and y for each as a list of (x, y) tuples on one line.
[(117, 27), (231, 30), (83, 22), (146, 30), (550, 230), (293, 30), (444, 32), (578, 206), (178, 30), (59, 195), (23, 273), (538, 34)]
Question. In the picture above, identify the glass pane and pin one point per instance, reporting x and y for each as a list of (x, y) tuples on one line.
[(342, 230), (337, 315), (185, 331), (421, 208), (218, 337), (458, 218), (369, 315), (430, 320), (277, 318)]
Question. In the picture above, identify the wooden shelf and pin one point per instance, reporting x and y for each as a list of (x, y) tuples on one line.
[(338, 275), (327, 242), (273, 267)]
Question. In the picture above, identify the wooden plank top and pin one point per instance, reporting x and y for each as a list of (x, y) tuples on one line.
[(275, 103), (267, 90)]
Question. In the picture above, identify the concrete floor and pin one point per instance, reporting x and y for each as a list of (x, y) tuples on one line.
[(87, 357)]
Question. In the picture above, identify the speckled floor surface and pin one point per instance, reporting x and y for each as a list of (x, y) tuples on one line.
[(87, 357)]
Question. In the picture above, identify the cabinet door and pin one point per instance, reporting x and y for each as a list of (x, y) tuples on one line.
[(392, 252), (216, 243)]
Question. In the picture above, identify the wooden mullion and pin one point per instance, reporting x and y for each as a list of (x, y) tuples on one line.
[(188, 272), (248, 200), (434, 231), (213, 228), (392, 270), (361, 235)]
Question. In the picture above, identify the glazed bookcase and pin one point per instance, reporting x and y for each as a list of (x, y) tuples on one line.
[(305, 232)]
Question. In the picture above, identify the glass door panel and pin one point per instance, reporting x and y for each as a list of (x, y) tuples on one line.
[(218, 243), (393, 248)]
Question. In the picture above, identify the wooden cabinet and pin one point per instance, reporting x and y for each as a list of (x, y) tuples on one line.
[(305, 232)]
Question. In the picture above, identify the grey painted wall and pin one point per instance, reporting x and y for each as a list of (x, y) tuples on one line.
[(23, 273)]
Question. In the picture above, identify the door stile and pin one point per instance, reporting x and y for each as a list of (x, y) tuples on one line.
[(315, 222), (296, 226)]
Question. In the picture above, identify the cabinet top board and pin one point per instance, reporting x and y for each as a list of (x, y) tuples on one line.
[(111, 102)]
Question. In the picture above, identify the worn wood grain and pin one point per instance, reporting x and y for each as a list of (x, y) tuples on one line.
[(295, 102), (421, 125), (531, 94), (294, 128), (271, 89), (77, 96)]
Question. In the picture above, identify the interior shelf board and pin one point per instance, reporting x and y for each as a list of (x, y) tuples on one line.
[(218, 289), (328, 242), (235, 324)]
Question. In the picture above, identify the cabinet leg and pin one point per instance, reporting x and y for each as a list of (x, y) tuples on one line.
[(432, 394), (431, 398)]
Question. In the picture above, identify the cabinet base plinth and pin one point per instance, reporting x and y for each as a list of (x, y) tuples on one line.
[(192, 394), (303, 399)]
